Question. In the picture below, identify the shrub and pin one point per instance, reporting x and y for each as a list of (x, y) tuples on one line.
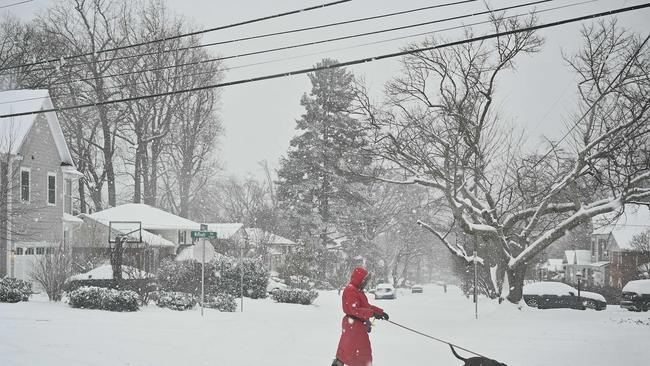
[(222, 275), (175, 300), (14, 290), (222, 302), (142, 286), (51, 271), (295, 296), (104, 299)]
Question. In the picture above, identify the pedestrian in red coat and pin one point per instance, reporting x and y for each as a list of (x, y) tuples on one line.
[(354, 345)]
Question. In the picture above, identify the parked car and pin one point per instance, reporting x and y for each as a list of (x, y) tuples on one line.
[(417, 289), (275, 284), (636, 296), (546, 295), (385, 291)]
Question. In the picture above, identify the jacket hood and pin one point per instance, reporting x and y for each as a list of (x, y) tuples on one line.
[(358, 275)]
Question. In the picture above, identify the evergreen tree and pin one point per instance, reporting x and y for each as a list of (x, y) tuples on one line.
[(309, 187)]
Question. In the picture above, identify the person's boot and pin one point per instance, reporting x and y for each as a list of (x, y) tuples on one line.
[(337, 362)]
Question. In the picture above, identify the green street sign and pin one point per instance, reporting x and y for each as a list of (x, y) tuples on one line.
[(203, 234)]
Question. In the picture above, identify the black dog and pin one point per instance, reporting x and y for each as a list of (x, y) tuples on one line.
[(476, 361)]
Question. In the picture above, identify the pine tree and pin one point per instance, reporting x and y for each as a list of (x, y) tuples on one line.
[(309, 187)]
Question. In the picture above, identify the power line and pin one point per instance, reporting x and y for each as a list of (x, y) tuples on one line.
[(14, 4), (344, 64), (265, 35), (324, 52), (203, 31), (313, 43)]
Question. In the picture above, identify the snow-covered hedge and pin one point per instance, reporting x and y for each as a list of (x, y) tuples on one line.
[(295, 296), (14, 290), (91, 297), (221, 276), (222, 302), (175, 300)]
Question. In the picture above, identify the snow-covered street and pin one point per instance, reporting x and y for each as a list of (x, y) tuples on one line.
[(272, 334)]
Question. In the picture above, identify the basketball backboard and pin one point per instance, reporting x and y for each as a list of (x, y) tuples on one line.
[(132, 230)]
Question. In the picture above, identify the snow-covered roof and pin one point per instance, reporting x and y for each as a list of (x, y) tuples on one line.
[(152, 218), (148, 237), (632, 222), (638, 286), (225, 230), (14, 130), (105, 272), (577, 257), (553, 264), (258, 236)]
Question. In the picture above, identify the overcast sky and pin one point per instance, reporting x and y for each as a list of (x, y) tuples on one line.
[(259, 118)]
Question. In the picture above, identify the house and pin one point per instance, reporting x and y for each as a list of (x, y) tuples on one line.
[(163, 234), (273, 248), (613, 242), (579, 261), (230, 237), (552, 269), (37, 181)]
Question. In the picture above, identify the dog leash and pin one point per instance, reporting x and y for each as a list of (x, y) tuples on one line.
[(435, 339)]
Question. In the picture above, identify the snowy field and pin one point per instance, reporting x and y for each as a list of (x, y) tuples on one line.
[(271, 334)]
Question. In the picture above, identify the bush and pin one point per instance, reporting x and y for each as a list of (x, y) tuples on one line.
[(222, 302), (175, 300), (142, 286), (222, 275), (14, 290), (294, 296), (51, 271), (104, 299)]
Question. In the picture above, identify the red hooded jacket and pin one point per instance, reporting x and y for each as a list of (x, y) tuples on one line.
[(354, 345)]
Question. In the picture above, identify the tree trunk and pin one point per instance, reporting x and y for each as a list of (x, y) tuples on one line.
[(515, 283), (82, 197), (137, 176)]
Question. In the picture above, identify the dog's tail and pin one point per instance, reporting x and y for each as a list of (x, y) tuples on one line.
[(456, 354)]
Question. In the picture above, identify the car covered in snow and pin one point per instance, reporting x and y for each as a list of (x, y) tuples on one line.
[(385, 291), (547, 295), (417, 289), (636, 295), (275, 284)]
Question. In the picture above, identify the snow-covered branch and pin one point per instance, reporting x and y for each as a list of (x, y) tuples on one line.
[(456, 250)]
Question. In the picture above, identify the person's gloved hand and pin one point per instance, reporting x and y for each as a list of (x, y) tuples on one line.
[(382, 316), (368, 325)]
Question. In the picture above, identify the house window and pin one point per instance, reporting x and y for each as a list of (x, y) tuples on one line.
[(182, 237), (49, 250), (40, 251), (593, 247), (68, 196), (19, 251), (24, 185), (51, 188), (29, 251)]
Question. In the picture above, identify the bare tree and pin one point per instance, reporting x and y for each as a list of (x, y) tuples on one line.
[(440, 128), (641, 242), (52, 271)]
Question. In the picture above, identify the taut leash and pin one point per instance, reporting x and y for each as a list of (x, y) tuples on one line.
[(435, 339)]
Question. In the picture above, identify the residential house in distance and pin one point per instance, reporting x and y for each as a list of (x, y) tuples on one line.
[(230, 237), (273, 248), (552, 269), (37, 180), (577, 261), (613, 242), (163, 234)]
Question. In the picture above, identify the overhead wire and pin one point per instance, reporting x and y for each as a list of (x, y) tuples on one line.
[(182, 35), (346, 63), (122, 86), (313, 43), (15, 4), (265, 35)]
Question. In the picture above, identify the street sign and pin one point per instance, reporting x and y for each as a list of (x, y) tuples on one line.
[(203, 251), (203, 234)]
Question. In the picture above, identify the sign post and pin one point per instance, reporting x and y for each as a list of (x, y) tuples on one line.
[(204, 252)]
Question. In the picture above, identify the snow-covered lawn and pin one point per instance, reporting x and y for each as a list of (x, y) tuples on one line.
[(272, 334)]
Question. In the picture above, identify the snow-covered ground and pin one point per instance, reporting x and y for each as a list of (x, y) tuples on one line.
[(272, 334)]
